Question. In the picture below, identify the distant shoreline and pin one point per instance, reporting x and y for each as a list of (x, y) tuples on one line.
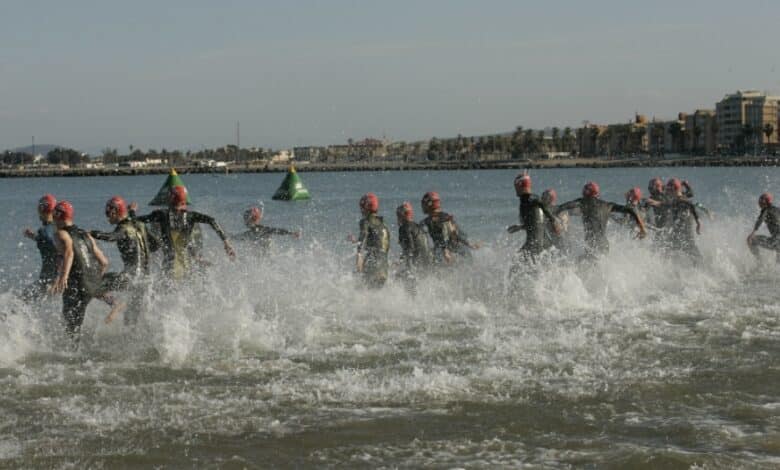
[(748, 161)]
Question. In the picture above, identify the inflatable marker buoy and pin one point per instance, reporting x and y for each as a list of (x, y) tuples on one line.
[(161, 199), (292, 188)]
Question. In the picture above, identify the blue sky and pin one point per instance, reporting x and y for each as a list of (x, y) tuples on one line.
[(179, 74)]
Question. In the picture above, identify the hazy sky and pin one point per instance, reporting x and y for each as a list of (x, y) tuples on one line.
[(180, 73)]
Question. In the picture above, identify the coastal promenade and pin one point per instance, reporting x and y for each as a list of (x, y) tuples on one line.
[(403, 166)]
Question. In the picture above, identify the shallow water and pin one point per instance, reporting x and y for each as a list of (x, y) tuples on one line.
[(280, 362)]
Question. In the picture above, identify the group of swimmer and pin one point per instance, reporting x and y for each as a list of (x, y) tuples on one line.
[(74, 266)]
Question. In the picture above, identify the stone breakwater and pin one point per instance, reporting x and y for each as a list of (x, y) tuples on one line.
[(402, 166)]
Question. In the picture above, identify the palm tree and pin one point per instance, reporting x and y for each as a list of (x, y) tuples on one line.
[(540, 140), (567, 137), (517, 142), (529, 144), (696, 133), (675, 129), (768, 130), (747, 133), (555, 134)]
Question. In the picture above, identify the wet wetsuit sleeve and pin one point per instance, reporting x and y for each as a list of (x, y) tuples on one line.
[(568, 206), (761, 219), (244, 236), (114, 236), (277, 231), (694, 212), (199, 218), (363, 235), (625, 210), (547, 213)]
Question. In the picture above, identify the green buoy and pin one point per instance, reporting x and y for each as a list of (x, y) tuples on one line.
[(292, 188), (161, 199)]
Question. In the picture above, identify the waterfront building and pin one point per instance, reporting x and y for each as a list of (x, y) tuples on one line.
[(700, 132), (747, 119), (308, 154)]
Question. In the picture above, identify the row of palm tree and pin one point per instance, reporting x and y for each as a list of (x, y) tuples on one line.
[(522, 143)]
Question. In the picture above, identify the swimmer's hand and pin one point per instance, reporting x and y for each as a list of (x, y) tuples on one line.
[(59, 285), (229, 250), (351, 238), (751, 237), (133, 207), (29, 233), (557, 228), (698, 228), (514, 228), (447, 256), (475, 245), (642, 234), (296, 235), (359, 263)]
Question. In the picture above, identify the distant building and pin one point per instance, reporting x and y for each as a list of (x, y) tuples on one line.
[(308, 154), (366, 149), (743, 117), (283, 156), (701, 132)]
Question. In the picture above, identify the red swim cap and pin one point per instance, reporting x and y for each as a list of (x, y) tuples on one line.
[(674, 184), (253, 215), (634, 195), (369, 202), (118, 204), (765, 200), (63, 211), (431, 201), (177, 197), (523, 182), (656, 185), (591, 189), (549, 196), (46, 203), (405, 211)]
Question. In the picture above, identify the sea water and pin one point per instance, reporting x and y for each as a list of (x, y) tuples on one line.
[(284, 361)]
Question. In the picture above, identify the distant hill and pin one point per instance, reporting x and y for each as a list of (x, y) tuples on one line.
[(42, 149)]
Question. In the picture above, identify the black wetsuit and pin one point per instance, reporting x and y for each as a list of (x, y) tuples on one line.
[(44, 240), (83, 280), (534, 217), (131, 241), (659, 214), (679, 225), (260, 237), (416, 255), (771, 216), (595, 216), (373, 246), (446, 235), (176, 237)]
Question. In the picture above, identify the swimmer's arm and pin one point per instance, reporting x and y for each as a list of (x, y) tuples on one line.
[(101, 257), (64, 244), (759, 221), (696, 218), (514, 228), (634, 215), (283, 231), (555, 222), (687, 190), (106, 236), (207, 219), (567, 206)]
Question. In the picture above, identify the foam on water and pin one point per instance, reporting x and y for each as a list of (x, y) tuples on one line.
[(563, 368)]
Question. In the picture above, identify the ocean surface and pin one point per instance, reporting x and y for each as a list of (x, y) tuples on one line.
[(284, 361)]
